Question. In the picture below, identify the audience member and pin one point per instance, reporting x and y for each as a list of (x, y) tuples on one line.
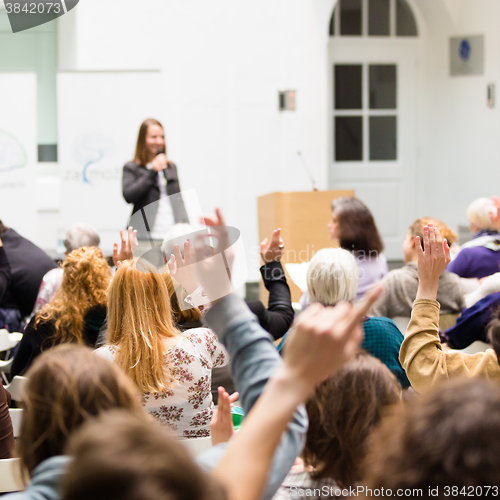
[(172, 369), (400, 285), (421, 354), (353, 226), (80, 235), (331, 278), (342, 412), (66, 386), (473, 323), (22, 267), (479, 257), (6, 432), (489, 285), (444, 443), (77, 312)]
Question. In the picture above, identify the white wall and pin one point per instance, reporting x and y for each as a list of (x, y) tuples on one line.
[(223, 63), (460, 150)]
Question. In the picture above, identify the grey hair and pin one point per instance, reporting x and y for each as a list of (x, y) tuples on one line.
[(479, 213), (332, 276), (81, 235)]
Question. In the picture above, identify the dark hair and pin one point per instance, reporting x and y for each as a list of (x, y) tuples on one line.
[(141, 153), (67, 385), (494, 333), (447, 437), (120, 456), (358, 231), (342, 412), (3, 228)]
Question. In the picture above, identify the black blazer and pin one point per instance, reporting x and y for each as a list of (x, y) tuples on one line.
[(140, 187)]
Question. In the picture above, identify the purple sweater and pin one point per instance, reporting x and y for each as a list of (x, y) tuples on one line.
[(475, 262)]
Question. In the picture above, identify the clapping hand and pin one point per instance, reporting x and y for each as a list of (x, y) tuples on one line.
[(182, 269), (274, 250), (127, 247), (433, 259), (221, 425)]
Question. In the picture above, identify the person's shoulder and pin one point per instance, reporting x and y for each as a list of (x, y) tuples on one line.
[(381, 323), (132, 166)]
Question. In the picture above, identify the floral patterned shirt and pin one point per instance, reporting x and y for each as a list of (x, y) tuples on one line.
[(186, 408)]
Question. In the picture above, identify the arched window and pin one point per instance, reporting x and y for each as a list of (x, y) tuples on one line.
[(387, 18)]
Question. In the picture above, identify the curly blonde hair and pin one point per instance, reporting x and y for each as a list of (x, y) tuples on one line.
[(417, 229), (86, 278)]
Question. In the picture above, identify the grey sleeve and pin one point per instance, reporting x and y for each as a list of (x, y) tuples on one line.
[(254, 360)]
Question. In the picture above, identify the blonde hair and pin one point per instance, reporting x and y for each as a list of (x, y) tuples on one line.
[(417, 229), (139, 319), (86, 277), (332, 276), (478, 213)]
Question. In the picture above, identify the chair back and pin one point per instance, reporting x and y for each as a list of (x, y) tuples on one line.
[(16, 415), (10, 479), (401, 323), (16, 387), (9, 340)]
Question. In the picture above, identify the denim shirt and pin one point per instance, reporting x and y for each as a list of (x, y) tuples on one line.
[(254, 360)]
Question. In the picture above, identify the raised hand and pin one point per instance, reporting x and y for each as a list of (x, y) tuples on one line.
[(182, 269), (221, 425), (432, 261), (127, 247), (274, 250), (214, 273), (324, 338)]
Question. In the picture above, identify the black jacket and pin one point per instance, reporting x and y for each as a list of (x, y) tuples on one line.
[(24, 267), (140, 187)]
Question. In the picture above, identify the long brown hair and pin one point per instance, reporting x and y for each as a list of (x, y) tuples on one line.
[(66, 386), (120, 456), (358, 232), (342, 413), (139, 320), (86, 277), (141, 156)]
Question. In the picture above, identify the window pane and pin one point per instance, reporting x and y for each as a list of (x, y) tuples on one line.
[(378, 18), (348, 138), (383, 138), (350, 17), (347, 79), (405, 21), (382, 86)]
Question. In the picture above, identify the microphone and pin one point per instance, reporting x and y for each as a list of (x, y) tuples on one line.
[(311, 178), (160, 152)]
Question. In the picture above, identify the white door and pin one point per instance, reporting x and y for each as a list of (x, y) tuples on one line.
[(373, 122)]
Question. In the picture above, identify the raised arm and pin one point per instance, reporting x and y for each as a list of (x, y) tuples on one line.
[(421, 353), (273, 426)]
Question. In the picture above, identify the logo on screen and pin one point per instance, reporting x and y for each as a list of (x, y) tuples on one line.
[(27, 14)]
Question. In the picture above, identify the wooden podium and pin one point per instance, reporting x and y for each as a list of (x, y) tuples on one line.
[(303, 219)]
